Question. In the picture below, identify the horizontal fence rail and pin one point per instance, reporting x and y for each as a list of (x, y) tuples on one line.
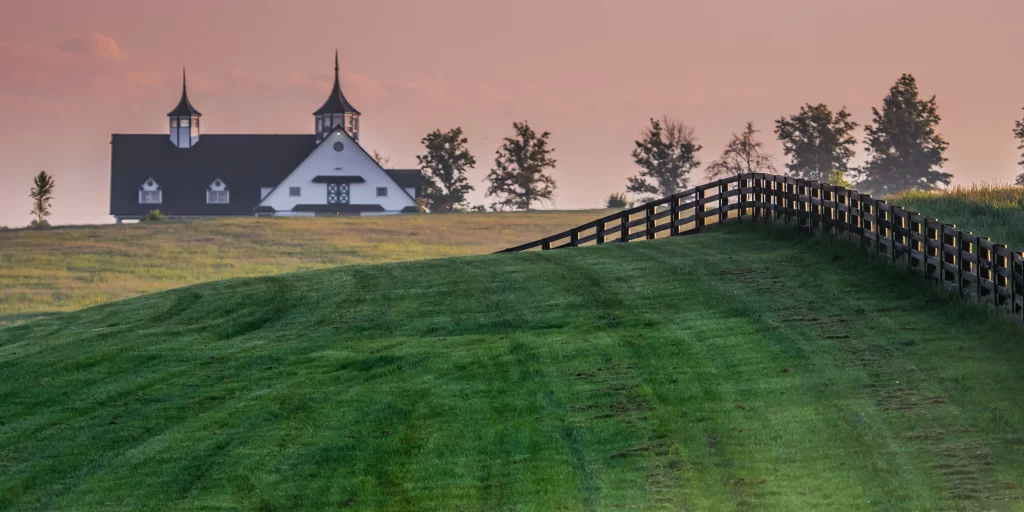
[(971, 264)]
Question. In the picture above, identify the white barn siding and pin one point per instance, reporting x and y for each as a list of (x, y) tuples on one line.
[(351, 161)]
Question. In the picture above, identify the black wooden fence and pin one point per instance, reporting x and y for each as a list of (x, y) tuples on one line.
[(939, 252)]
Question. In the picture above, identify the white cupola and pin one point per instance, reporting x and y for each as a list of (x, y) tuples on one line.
[(336, 111), (184, 120)]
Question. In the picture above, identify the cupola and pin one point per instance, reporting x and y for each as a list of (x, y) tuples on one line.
[(336, 111), (184, 120)]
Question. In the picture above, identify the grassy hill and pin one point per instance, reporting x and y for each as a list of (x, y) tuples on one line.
[(996, 212), (745, 367), (65, 269)]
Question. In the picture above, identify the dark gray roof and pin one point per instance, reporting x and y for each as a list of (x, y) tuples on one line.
[(336, 102), (245, 163), (184, 107), (406, 178)]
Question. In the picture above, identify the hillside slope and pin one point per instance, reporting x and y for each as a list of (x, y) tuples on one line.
[(68, 268), (744, 367), (996, 212)]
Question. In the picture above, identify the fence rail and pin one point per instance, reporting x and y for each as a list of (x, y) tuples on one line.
[(970, 264)]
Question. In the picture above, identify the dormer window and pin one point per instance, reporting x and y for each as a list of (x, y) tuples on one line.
[(217, 193), (150, 193)]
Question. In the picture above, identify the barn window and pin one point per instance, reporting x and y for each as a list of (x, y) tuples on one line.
[(294, 191), (382, 191), (150, 192), (150, 197), (217, 193), (217, 196)]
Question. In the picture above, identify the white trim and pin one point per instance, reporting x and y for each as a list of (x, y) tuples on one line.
[(146, 191), (214, 197), (326, 161)]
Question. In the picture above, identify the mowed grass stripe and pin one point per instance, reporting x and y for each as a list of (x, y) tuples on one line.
[(68, 268), (745, 366)]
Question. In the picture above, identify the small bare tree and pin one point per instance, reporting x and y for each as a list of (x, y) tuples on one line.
[(382, 159), (744, 154), (42, 196)]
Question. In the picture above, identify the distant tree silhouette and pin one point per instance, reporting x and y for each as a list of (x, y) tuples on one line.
[(444, 166), (382, 159), (518, 179), (743, 154), (818, 142), (666, 154), (617, 200), (905, 150), (42, 197)]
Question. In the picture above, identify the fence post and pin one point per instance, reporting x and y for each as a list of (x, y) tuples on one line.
[(997, 251), (981, 268), (674, 216), (600, 232), (740, 199), (1019, 268), (624, 235), (545, 244), (960, 261), (698, 213), (574, 238), (721, 201), (879, 230), (892, 233), (649, 213), (860, 220), (818, 209)]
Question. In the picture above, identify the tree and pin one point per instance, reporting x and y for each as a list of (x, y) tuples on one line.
[(382, 160), (838, 178), (518, 178), (666, 154), (743, 154), (1018, 133), (905, 152), (818, 142), (42, 196), (617, 200), (444, 166)]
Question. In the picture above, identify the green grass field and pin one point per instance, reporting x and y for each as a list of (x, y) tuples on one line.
[(64, 269), (745, 367), (995, 212)]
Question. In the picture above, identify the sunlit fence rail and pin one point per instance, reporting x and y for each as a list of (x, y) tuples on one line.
[(971, 264)]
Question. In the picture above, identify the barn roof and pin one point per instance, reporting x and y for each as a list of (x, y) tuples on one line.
[(184, 107), (336, 102), (245, 163)]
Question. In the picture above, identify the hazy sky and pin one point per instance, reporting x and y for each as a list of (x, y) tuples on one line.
[(591, 72)]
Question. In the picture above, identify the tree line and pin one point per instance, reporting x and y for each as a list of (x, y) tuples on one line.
[(903, 147), (518, 180)]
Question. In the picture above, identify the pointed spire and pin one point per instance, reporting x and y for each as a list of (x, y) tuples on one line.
[(184, 107), (336, 102)]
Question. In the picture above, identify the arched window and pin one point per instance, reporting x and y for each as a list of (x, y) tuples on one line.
[(217, 193), (150, 192)]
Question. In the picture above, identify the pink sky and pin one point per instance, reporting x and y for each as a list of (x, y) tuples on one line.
[(591, 72)]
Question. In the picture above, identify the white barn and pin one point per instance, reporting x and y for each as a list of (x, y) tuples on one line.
[(189, 174)]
